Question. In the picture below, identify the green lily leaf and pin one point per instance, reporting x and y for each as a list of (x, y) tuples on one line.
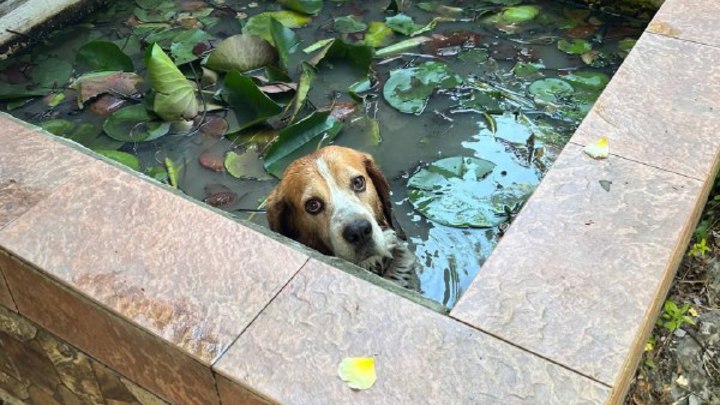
[(405, 25), (175, 95), (318, 45), (242, 53), (378, 35), (591, 79), (550, 90), (349, 24), (51, 73), (259, 24), (125, 158), (408, 90), (299, 139), (516, 14), (477, 55), (311, 7), (183, 44), (441, 9), (307, 75), (527, 69), (134, 124), (246, 165), (102, 55), (57, 127), (401, 46), (357, 54), (285, 40), (250, 104), (19, 91), (463, 192), (574, 47)]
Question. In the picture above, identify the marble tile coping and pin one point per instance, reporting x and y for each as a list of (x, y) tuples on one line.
[(231, 312)]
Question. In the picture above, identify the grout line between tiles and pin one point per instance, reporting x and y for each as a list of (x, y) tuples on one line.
[(692, 41), (220, 356), (549, 360), (644, 163)]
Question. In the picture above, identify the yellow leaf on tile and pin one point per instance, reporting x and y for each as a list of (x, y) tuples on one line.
[(692, 311), (358, 372), (598, 149)]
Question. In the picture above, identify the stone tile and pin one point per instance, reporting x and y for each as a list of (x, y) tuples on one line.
[(179, 270), (291, 352), (233, 393), (32, 165), (133, 352), (693, 20), (580, 272), (662, 107)]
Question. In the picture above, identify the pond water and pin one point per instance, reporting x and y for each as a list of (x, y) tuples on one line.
[(499, 85)]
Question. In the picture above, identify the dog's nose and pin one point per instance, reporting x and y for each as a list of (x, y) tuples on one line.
[(358, 232)]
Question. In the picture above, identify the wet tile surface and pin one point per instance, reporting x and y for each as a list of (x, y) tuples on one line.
[(579, 268), (669, 119), (291, 352), (136, 354), (181, 271), (31, 167), (694, 20)]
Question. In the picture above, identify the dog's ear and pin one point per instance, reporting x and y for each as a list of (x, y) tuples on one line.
[(382, 187), (279, 215)]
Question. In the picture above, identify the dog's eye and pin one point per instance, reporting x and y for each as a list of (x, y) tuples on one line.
[(313, 206), (358, 183)]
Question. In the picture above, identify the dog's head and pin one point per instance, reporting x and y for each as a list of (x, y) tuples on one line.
[(335, 201)]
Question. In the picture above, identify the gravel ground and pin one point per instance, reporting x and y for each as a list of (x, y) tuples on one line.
[(681, 363)]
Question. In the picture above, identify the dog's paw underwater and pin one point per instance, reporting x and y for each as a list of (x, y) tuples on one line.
[(337, 202)]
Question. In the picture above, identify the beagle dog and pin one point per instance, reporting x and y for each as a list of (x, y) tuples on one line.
[(337, 202)]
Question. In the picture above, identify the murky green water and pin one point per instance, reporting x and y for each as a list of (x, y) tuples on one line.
[(493, 115)]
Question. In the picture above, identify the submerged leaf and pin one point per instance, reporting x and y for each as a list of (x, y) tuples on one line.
[(250, 104), (349, 24), (550, 90), (260, 24), (598, 149), (299, 139), (124, 158), (358, 372), (134, 124), (183, 45), (103, 55), (357, 54), (574, 47), (401, 46), (242, 53), (246, 165), (378, 35), (591, 79), (175, 95), (91, 85), (311, 7), (51, 73), (404, 24), (520, 13), (408, 89)]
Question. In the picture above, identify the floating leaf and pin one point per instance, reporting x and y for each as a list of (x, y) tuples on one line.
[(625, 45), (357, 54), (246, 165), (520, 13), (404, 24), (574, 47), (318, 45), (57, 126), (51, 73), (53, 100), (249, 103), (124, 158), (307, 76), (378, 35), (299, 139), (401, 46), (183, 45), (441, 9), (103, 55), (550, 90), (527, 69), (172, 171), (349, 24), (358, 372), (285, 41), (242, 53), (175, 95), (134, 124), (408, 90), (463, 192), (91, 85), (474, 56), (311, 7), (598, 149), (260, 24), (591, 79)]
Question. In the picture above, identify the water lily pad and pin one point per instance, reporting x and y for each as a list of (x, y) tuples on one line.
[(408, 90), (91, 85), (246, 165), (259, 24), (311, 7), (591, 79), (550, 90), (519, 14), (404, 24), (175, 95), (184, 44), (250, 104), (103, 55), (378, 35), (299, 139), (125, 158), (134, 124), (337, 50), (242, 53), (349, 24), (463, 192), (52, 73), (574, 47), (285, 41)]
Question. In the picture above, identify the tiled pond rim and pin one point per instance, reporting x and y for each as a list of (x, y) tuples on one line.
[(199, 308)]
